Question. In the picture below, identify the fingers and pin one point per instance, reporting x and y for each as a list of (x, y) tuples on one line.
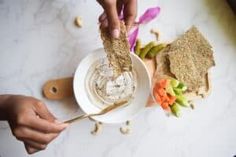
[(32, 123), (35, 145), (43, 112), (102, 17), (110, 9), (25, 133), (103, 20), (119, 7), (30, 150), (45, 126), (130, 12)]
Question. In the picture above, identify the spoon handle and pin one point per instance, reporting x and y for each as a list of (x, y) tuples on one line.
[(104, 111), (77, 118)]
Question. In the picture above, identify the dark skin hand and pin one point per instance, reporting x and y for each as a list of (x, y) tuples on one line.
[(30, 121), (112, 10)]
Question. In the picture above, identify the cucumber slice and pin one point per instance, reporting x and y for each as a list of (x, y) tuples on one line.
[(170, 90), (182, 101), (175, 109), (174, 83), (178, 91), (182, 86)]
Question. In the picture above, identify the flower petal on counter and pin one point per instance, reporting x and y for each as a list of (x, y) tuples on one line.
[(149, 15)]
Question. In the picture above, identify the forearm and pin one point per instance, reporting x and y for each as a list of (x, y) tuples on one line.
[(3, 106)]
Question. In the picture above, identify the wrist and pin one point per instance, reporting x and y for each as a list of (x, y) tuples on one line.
[(4, 104)]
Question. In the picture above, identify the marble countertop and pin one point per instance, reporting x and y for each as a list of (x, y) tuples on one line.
[(38, 42)]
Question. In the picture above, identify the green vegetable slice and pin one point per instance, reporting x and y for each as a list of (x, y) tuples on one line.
[(175, 109), (174, 83), (182, 86), (182, 100), (154, 50), (145, 50), (137, 48), (170, 90), (178, 91)]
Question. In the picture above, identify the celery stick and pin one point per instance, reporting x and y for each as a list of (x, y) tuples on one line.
[(182, 101), (178, 91), (175, 109), (182, 86)]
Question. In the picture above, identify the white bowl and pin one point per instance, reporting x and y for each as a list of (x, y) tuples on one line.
[(118, 115)]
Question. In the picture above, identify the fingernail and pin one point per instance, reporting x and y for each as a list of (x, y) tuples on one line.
[(64, 125), (115, 33), (32, 150)]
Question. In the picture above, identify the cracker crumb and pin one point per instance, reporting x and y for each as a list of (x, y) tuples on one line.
[(125, 130), (128, 123), (156, 33), (192, 105)]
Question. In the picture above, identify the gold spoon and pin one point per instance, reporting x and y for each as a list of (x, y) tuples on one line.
[(102, 112)]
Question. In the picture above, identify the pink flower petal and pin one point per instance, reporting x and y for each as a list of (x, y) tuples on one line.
[(133, 37), (149, 15), (121, 14)]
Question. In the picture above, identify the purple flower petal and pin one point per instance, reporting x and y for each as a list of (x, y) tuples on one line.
[(149, 15), (132, 38)]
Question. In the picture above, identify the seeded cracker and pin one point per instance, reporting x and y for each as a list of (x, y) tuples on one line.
[(117, 50), (190, 58), (162, 65)]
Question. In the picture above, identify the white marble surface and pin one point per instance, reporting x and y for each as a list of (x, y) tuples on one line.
[(38, 41)]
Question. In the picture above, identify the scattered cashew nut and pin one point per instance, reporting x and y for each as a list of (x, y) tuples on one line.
[(97, 128), (78, 21)]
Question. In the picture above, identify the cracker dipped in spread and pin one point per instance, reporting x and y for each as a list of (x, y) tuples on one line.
[(112, 79), (117, 50)]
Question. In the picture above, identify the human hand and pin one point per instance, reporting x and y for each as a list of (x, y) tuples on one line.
[(32, 123), (112, 10)]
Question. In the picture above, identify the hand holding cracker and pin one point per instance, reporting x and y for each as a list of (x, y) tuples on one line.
[(113, 9)]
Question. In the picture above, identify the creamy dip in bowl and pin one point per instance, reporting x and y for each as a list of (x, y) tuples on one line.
[(104, 90), (95, 88)]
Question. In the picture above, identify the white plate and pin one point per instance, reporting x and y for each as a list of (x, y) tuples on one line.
[(118, 115)]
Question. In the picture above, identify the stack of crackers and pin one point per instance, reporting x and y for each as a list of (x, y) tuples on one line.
[(187, 59)]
